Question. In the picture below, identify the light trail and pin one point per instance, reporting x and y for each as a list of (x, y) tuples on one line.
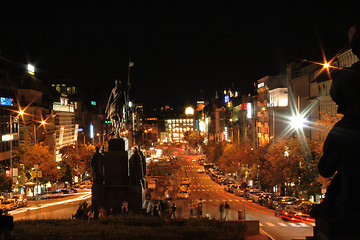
[(22, 210)]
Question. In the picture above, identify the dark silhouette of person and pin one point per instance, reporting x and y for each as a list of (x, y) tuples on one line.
[(340, 157)]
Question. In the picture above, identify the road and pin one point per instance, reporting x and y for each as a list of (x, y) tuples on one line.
[(213, 194), (60, 208)]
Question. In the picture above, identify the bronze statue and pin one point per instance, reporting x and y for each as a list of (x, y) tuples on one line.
[(137, 168), (340, 159), (117, 107), (97, 167)]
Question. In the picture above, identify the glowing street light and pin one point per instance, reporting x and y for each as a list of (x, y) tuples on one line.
[(297, 121)]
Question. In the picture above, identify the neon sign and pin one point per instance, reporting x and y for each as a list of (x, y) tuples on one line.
[(6, 101)]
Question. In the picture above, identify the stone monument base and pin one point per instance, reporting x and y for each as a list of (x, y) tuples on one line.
[(112, 196), (117, 187)]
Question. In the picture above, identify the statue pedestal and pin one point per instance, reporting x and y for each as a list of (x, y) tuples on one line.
[(117, 186)]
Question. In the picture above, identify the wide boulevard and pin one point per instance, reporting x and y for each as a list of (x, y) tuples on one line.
[(212, 194)]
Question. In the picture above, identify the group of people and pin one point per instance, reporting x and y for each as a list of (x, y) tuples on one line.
[(86, 212), (161, 208), (196, 208)]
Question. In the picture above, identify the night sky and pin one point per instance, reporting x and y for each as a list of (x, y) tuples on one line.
[(179, 47)]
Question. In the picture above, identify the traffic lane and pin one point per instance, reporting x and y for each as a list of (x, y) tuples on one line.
[(62, 208)]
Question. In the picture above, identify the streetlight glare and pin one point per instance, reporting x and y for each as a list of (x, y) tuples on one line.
[(326, 65), (297, 121)]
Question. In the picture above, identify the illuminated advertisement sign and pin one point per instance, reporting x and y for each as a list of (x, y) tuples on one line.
[(227, 98), (249, 112), (243, 107), (6, 101)]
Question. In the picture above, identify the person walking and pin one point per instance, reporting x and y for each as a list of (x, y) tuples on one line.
[(191, 205), (173, 210), (227, 210), (124, 207), (200, 208), (221, 209)]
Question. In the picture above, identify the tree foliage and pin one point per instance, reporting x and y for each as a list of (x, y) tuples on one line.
[(76, 160), (31, 154), (194, 138), (5, 182)]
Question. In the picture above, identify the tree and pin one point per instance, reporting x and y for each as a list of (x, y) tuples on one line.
[(214, 151), (229, 162), (5, 182), (75, 160), (31, 154), (193, 138)]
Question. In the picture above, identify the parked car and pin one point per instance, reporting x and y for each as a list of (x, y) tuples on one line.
[(21, 200), (255, 197), (265, 198), (252, 191), (227, 188), (279, 203)]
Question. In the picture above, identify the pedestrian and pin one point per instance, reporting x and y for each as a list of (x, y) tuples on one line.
[(124, 207), (156, 212), (173, 210), (221, 209), (102, 213), (200, 208), (91, 215), (227, 210), (191, 209)]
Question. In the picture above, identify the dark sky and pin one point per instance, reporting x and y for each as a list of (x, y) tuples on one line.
[(179, 47)]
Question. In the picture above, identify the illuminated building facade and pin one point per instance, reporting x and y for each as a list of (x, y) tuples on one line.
[(176, 128)]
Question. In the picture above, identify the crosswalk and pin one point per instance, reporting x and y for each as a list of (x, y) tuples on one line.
[(292, 224)]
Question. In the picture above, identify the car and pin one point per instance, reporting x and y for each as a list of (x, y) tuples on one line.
[(255, 197), (183, 194), (264, 198), (68, 190), (227, 188), (185, 182), (9, 204), (21, 200), (54, 194), (201, 169), (279, 203), (86, 185), (306, 206), (251, 192)]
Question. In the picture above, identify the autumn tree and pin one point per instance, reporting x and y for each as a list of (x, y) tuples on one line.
[(76, 160), (229, 161), (5, 182), (194, 138), (214, 151), (31, 154)]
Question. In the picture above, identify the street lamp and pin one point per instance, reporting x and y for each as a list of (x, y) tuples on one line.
[(11, 120), (297, 121)]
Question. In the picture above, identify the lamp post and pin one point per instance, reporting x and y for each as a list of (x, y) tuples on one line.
[(11, 121)]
